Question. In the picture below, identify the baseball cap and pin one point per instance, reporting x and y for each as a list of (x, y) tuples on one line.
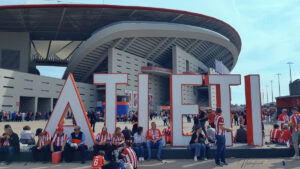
[(38, 131)]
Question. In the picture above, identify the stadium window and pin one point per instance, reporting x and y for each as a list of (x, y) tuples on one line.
[(187, 66), (6, 77), (28, 80), (8, 96), (10, 87), (4, 105)]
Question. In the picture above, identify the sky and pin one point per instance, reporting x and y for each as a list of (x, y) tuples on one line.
[(269, 31)]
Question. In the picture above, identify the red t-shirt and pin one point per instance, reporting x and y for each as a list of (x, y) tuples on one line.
[(275, 135), (285, 136), (211, 117), (98, 162), (153, 134)]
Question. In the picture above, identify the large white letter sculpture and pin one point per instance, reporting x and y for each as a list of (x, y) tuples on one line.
[(143, 101), (223, 82), (253, 106), (110, 81), (178, 108), (69, 98)]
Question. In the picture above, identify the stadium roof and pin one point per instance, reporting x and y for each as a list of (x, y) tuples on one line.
[(76, 22), (58, 30)]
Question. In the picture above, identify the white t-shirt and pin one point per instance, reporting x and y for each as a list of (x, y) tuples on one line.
[(27, 134), (139, 138), (211, 133)]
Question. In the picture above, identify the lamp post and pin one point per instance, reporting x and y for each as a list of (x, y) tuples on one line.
[(272, 91), (278, 76), (267, 93), (290, 63)]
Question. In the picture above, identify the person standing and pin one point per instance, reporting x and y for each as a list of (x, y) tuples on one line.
[(76, 143), (134, 122), (220, 138), (1, 115), (211, 117), (295, 124), (202, 120), (154, 139), (93, 120), (41, 152), (283, 118)]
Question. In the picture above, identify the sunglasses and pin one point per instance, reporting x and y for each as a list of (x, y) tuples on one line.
[(76, 129)]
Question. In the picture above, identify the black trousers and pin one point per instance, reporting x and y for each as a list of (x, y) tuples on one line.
[(70, 152), (93, 125), (107, 148), (41, 155)]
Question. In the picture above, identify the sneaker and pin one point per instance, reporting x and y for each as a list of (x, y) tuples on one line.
[(219, 165), (205, 159), (143, 159), (224, 163), (295, 157), (195, 158), (159, 159)]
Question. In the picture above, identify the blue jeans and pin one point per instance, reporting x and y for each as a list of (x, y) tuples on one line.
[(198, 147), (221, 147), (158, 145), (8, 152), (139, 150)]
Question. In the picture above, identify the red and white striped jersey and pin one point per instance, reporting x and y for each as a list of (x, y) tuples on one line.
[(219, 121), (153, 134), (275, 135), (42, 140), (103, 137), (59, 140), (129, 156), (295, 121), (116, 139), (282, 119)]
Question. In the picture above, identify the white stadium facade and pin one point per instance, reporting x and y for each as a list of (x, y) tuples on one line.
[(91, 39)]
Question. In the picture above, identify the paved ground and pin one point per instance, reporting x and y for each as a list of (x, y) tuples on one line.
[(176, 164)]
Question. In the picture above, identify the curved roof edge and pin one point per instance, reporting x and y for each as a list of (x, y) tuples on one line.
[(121, 7)]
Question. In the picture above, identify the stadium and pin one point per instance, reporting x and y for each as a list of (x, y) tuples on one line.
[(89, 39)]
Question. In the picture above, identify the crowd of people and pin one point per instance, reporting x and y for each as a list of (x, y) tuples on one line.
[(129, 145), (8, 116)]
